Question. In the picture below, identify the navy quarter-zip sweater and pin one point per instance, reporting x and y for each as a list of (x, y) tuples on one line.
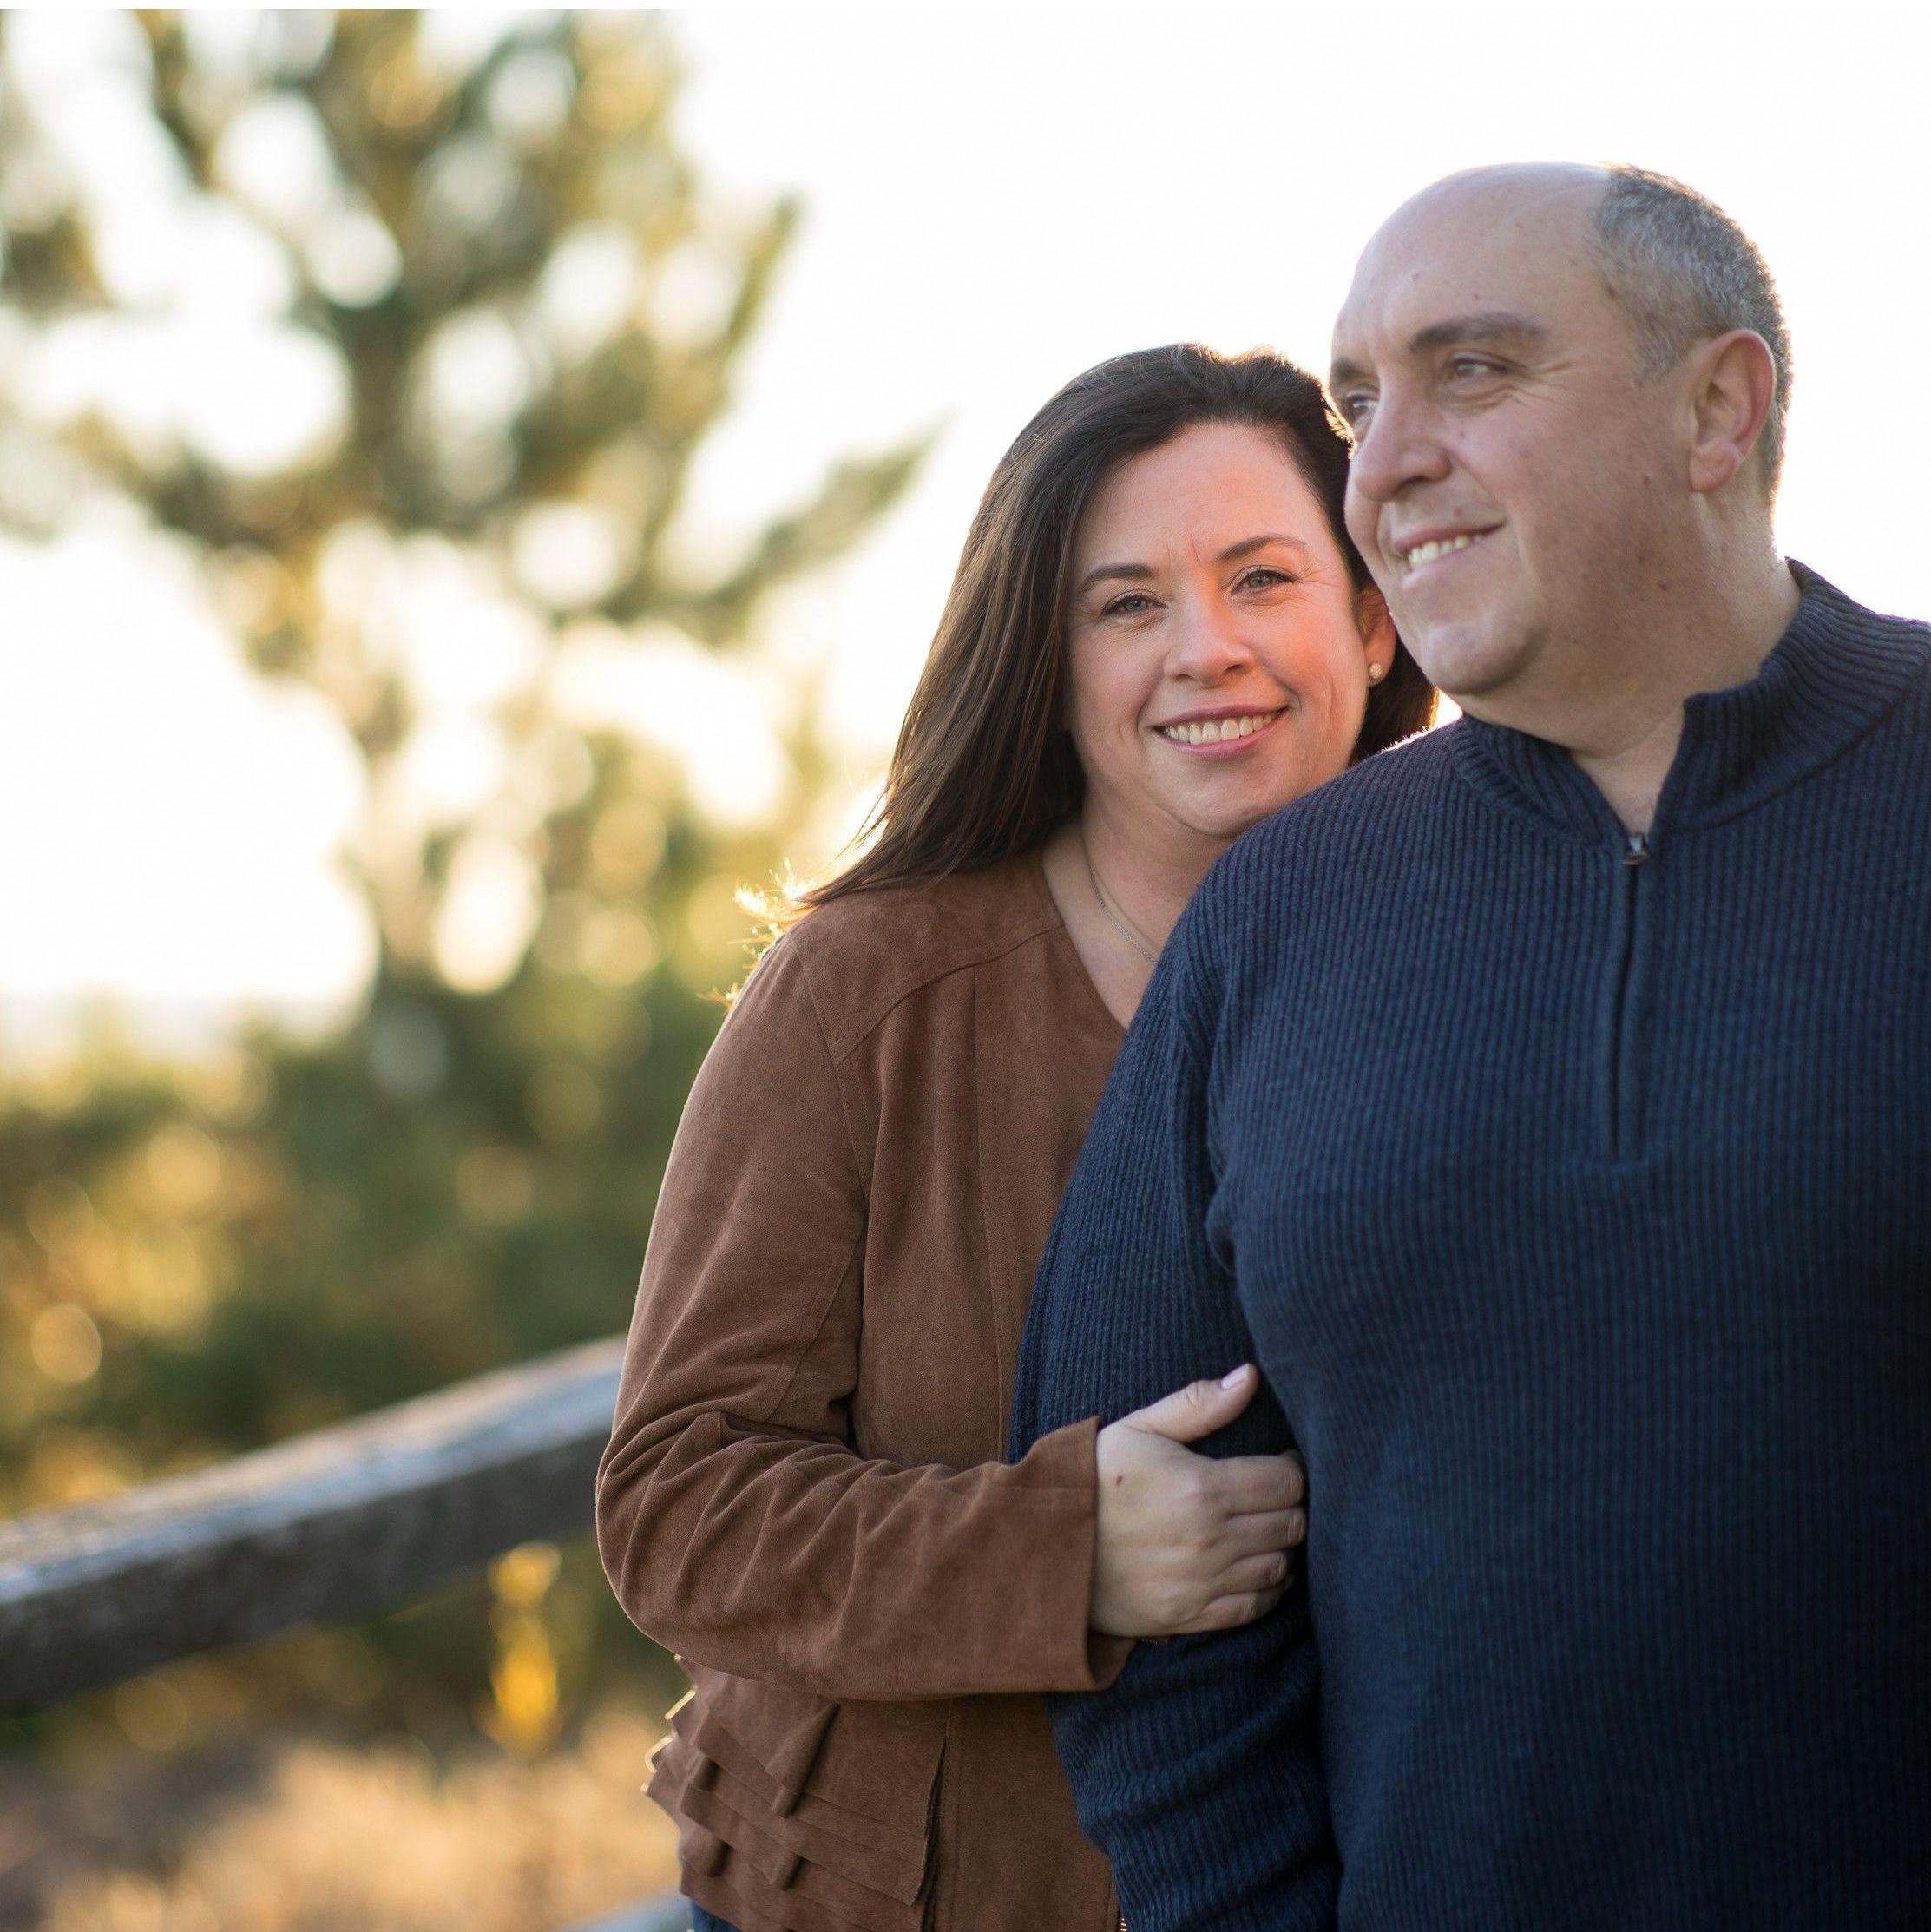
[(1575, 1196)]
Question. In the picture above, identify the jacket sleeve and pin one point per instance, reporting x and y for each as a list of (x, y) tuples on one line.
[(736, 1523), (1197, 1772)]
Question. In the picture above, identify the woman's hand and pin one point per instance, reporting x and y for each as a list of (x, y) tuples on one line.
[(1187, 1542)]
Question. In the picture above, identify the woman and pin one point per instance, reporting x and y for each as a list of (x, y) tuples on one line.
[(1158, 633)]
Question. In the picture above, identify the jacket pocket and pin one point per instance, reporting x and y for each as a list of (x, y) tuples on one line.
[(801, 1814)]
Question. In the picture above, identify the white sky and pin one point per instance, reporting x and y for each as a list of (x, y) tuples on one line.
[(994, 200)]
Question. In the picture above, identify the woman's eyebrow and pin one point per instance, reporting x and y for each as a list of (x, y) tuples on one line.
[(1102, 573), (1142, 572), (1248, 545)]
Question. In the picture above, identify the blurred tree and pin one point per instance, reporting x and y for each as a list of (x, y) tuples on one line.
[(407, 334)]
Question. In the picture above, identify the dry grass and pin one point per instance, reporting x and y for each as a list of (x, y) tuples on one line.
[(316, 1837)]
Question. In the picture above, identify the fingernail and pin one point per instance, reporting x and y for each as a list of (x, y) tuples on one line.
[(1234, 1376)]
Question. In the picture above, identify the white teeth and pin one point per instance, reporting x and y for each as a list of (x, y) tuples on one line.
[(1427, 553), (1218, 731)]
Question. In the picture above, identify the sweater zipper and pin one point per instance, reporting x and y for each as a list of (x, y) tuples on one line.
[(1620, 1084)]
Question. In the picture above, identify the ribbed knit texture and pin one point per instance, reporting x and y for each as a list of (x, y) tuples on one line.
[(1579, 1211)]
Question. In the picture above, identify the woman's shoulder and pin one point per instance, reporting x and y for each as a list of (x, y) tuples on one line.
[(864, 953)]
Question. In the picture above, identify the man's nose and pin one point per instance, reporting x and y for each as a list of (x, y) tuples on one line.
[(1400, 446)]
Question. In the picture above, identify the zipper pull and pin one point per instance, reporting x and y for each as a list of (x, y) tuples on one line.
[(1637, 849)]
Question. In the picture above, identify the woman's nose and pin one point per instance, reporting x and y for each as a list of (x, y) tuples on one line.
[(1208, 642)]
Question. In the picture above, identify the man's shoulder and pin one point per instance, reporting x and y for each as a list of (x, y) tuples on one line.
[(1862, 678), (1396, 786), (1331, 857), (1891, 652), (1845, 612)]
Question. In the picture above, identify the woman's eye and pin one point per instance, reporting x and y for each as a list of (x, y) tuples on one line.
[(1265, 577), (1129, 606)]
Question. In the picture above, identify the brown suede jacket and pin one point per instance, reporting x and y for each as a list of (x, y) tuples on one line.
[(803, 1495)]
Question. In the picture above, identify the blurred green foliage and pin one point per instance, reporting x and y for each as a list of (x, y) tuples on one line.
[(199, 1259)]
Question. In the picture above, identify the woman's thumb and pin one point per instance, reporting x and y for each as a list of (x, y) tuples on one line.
[(1200, 1407)]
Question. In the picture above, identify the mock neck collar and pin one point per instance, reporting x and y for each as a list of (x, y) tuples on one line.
[(1835, 671)]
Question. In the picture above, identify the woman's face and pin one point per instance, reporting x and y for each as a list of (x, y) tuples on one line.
[(1218, 652)]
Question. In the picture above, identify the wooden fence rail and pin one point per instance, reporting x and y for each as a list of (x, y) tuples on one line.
[(343, 1523)]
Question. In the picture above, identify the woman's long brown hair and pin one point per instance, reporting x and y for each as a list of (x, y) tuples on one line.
[(984, 767)]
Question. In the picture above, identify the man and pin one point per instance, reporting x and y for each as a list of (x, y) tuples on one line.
[(1547, 1107)]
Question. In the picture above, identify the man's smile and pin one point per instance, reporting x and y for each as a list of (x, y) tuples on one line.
[(1413, 555)]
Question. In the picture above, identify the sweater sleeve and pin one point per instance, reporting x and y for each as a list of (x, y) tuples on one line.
[(736, 1523), (1197, 1772)]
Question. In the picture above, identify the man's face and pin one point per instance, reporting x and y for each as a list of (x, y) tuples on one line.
[(1512, 475)]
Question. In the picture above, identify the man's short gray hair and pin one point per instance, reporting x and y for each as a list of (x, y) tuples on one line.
[(1684, 271)]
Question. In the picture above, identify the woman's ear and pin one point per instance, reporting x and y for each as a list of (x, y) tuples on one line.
[(1377, 631)]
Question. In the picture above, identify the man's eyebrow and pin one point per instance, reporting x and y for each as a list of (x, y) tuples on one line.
[(1342, 372), (1490, 325), (1493, 326)]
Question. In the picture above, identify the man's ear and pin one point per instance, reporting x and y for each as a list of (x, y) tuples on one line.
[(1377, 627), (1734, 385)]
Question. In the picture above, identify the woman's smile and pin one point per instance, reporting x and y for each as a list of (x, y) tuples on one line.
[(1221, 734)]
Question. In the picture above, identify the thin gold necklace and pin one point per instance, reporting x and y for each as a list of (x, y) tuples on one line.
[(1119, 924)]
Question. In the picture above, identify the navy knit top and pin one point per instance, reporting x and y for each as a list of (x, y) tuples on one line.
[(1573, 1192)]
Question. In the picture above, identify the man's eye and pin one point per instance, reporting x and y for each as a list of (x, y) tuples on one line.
[(1470, 366), (1355, 411)]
